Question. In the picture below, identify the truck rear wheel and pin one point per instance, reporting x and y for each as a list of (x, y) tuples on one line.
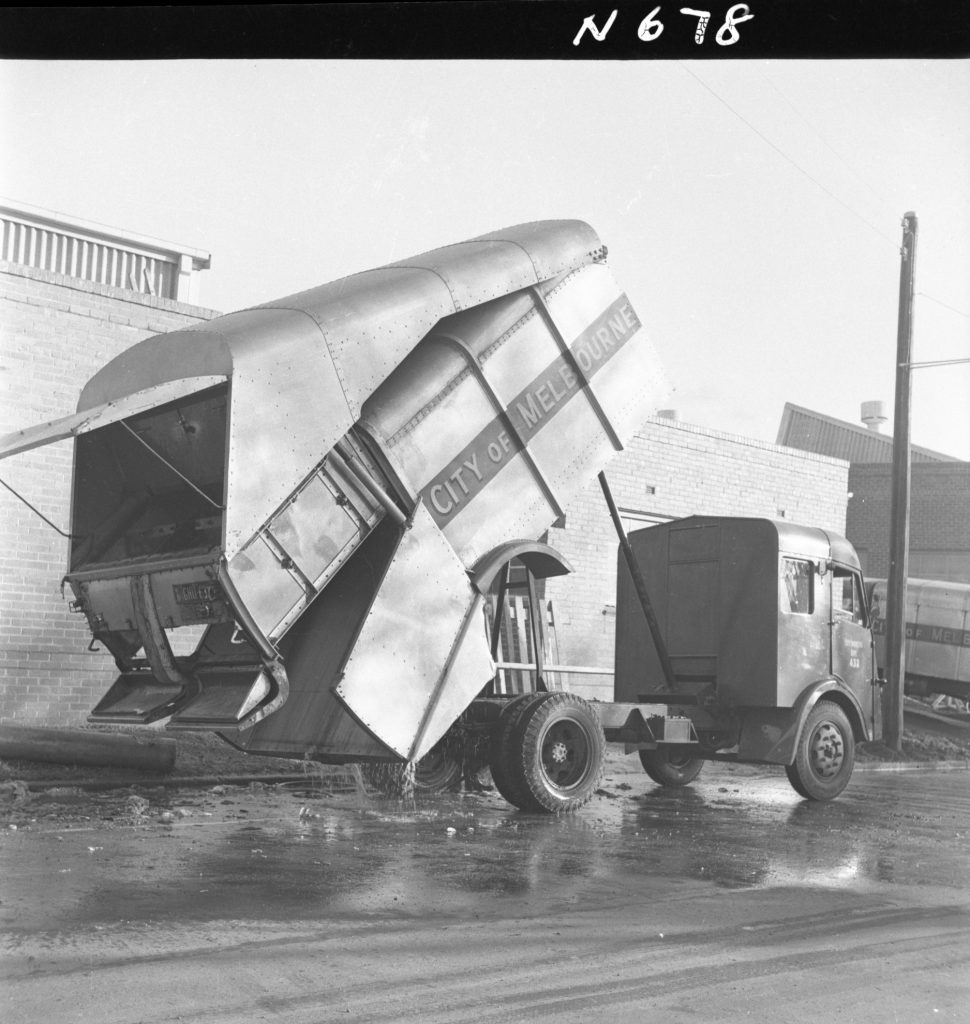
[(825, 754), (555, 747), (439, 770), (672, 768), (501, 749)]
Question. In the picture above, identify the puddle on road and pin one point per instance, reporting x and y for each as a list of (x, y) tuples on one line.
[(281, 855), (300, 853)]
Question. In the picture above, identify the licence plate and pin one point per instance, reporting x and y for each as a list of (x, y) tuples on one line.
[(197, 592), (199, 601)]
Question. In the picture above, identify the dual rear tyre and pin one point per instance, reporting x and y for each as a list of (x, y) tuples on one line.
[(439, 770), (547, 752)]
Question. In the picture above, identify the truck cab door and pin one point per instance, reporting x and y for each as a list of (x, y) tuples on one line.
[(852, 655)]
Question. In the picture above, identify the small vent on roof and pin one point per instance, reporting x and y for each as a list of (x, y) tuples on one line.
[(874, 415)]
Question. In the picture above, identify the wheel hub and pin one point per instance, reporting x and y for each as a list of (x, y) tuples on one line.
[(558, 752), (564, 754), (827, 751)]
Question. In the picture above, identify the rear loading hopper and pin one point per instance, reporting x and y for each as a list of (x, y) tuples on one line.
[(285, 520)]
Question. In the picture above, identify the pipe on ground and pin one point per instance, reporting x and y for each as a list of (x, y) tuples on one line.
[(84, 747)]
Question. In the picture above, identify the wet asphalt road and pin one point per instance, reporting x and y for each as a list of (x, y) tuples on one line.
[(732, 900)]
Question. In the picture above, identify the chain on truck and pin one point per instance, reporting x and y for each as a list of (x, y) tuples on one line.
[(290, 523)]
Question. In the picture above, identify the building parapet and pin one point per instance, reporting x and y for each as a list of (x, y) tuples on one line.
[(45, 240), (743, 442)]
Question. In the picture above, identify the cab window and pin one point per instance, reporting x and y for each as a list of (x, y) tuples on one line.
[(847, 600), (798, 578)]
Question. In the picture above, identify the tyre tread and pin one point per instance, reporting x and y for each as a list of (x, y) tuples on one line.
[(660, 770), (502, 748), (803, 780), (531, 791)]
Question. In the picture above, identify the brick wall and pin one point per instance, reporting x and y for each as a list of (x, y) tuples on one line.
[(669, 471), (55, 332), (939, 532)]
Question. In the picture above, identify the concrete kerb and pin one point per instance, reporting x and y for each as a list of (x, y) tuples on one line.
[(912, 766), (169, 782)]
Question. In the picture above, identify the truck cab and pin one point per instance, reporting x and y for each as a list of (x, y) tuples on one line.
[(767, 630)]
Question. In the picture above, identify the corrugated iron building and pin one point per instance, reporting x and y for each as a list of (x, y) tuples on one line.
[(814, 432)]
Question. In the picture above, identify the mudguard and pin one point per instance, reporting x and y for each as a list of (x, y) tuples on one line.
[(771, 735)]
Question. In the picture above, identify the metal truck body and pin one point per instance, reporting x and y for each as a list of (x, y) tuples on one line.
[(285, 519), (937, 653)]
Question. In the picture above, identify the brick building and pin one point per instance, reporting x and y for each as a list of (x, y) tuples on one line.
[(73, 296), (939, 530)]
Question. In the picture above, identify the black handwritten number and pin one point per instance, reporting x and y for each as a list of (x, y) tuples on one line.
[(651, 27), (703, 20), (727, 34)]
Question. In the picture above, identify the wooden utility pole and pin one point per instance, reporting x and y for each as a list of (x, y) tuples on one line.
[(899, 513)]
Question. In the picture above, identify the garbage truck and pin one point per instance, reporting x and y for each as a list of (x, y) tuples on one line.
[(763, 646), (293, 526)]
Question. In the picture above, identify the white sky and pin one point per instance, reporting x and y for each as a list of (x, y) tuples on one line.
[(752, 208)]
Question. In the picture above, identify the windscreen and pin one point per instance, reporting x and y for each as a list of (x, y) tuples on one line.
[(152, 486)]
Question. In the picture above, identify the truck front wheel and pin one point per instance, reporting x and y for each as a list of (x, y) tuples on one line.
[(670, 767), (825, 754), (555, 753)]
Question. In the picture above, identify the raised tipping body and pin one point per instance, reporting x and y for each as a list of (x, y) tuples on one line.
[(283, 518)]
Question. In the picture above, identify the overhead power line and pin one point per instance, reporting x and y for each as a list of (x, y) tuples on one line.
[(945, 305), (842, 160), (794, 163)]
